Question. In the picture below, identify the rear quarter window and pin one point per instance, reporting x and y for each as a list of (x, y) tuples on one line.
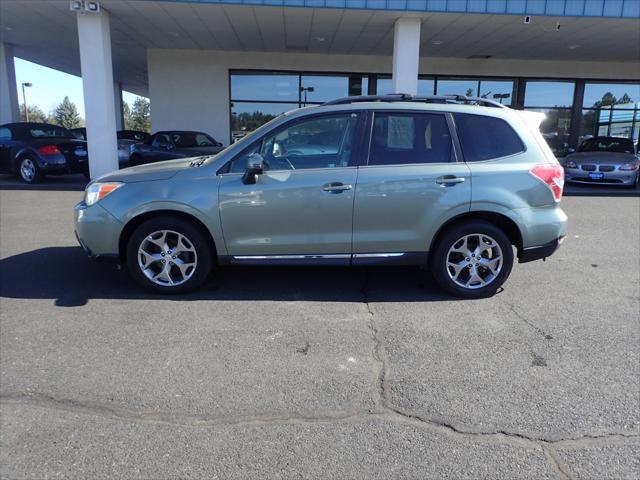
[(485, 138)]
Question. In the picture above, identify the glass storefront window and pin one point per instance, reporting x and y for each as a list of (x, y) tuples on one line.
[(276, 86), (608, 122), (548, 94), (458, 87), (490, 88), (425, 86), (247, 116), (597, 94), (324, 87), (555, 128)]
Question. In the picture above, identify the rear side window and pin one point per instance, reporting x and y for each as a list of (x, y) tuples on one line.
[(405, 138), (5, 133), (484, 138)]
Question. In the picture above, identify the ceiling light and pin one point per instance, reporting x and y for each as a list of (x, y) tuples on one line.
[(437, 42), (573, 47), (320, 39), (174, 34)]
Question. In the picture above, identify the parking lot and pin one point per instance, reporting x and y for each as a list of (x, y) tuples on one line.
[(319, 372)]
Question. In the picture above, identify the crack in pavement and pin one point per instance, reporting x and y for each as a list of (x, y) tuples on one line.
[(547, 336), (384, 411)]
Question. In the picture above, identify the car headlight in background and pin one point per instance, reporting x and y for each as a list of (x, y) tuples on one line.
[(628, 166), (97, 191), (570, 164)]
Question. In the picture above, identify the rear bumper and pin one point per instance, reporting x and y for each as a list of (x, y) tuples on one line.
[(540, 252)]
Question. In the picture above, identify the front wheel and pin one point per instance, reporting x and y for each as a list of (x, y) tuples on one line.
[(29, 171), (169, 255), (472, 260)]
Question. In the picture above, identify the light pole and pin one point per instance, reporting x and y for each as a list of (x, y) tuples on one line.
[(24, 99), (501, 96), (305, 90)]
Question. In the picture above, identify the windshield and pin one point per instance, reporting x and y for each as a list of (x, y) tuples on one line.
[(192, 139), (617, 145), (49, 131)]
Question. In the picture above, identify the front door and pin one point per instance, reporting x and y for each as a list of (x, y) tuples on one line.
[(301, 207), (410, 184)]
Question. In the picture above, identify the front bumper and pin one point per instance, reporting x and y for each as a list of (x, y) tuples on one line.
[(97, 231), (541, 252), (616, 177)]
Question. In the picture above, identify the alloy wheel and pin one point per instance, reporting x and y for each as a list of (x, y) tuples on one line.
[(27, 170), (167, 258), (474, 261)]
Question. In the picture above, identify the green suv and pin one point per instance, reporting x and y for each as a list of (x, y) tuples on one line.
[(453, 183)]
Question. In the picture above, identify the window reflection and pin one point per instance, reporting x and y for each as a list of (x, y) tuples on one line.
[(256, 87), (555, 128), (320, 88), (497, 90), (458, 87), (425, 86), (623, 94), (247, 116), (548, 94)]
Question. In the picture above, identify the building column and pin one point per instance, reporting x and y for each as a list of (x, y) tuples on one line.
[(94, 36), (117, 97), (406, 55), (9, 106)]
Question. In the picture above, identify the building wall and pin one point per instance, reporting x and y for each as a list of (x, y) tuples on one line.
[(189, 89)]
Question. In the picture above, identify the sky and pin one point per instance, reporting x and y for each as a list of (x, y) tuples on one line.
[(51, 86)]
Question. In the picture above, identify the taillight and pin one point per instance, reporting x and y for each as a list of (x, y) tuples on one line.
[(553, 175), (49, 150)]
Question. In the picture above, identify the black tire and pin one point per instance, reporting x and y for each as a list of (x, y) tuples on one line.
[(27, 164), (452, 237), (197, 239)]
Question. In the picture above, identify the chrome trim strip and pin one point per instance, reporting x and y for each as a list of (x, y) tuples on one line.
[(378, 255), (288, 257)]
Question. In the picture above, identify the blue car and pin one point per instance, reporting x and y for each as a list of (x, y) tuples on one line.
[(33, 150)]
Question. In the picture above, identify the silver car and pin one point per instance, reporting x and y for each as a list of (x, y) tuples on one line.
[(604, 160)]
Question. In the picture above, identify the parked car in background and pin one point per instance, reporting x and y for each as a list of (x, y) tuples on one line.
[(604, 160), (357, 181), (168, 145), (126, 138), (33, 150)]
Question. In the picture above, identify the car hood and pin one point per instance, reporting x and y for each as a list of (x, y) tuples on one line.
[(149, 172), (199, 150), (601, 157)]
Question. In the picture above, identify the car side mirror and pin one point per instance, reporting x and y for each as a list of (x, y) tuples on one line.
[(163, 144), (571, 150), (255, 167)]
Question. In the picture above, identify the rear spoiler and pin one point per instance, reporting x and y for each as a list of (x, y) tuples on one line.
[(533, 120)]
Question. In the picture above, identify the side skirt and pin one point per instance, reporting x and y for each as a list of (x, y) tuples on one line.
[(394, 258)]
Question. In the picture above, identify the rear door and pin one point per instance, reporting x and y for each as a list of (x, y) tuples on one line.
[(410, 184), (301, 208)]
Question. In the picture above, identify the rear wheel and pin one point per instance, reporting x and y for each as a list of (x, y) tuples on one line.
[(472, 260), (169, 255), (29, 171)]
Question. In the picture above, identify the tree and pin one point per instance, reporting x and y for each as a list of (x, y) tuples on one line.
[(66, 114), (140, 116), (35, 114), (126, 115)]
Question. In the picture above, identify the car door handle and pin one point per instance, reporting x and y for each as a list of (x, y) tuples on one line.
[(336, 187), (449, 180)]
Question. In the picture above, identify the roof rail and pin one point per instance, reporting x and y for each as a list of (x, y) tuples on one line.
[(405, 97)]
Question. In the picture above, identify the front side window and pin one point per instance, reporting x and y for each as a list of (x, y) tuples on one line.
[(318, 142), (406, 138), (485, 138), (192, 139), (161, 140)]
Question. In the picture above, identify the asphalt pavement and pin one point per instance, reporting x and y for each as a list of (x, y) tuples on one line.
[(318, 372)]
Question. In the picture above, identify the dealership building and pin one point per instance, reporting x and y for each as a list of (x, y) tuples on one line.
[(224, 66)]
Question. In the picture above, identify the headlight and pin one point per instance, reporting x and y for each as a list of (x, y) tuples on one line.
[(570, 164), (628, 166), (97, 191)]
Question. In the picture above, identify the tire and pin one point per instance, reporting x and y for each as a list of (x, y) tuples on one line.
[(163, 274), (491, 261), (28, 170)]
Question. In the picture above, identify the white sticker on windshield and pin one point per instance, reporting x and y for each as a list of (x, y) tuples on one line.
[(400, 133)]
